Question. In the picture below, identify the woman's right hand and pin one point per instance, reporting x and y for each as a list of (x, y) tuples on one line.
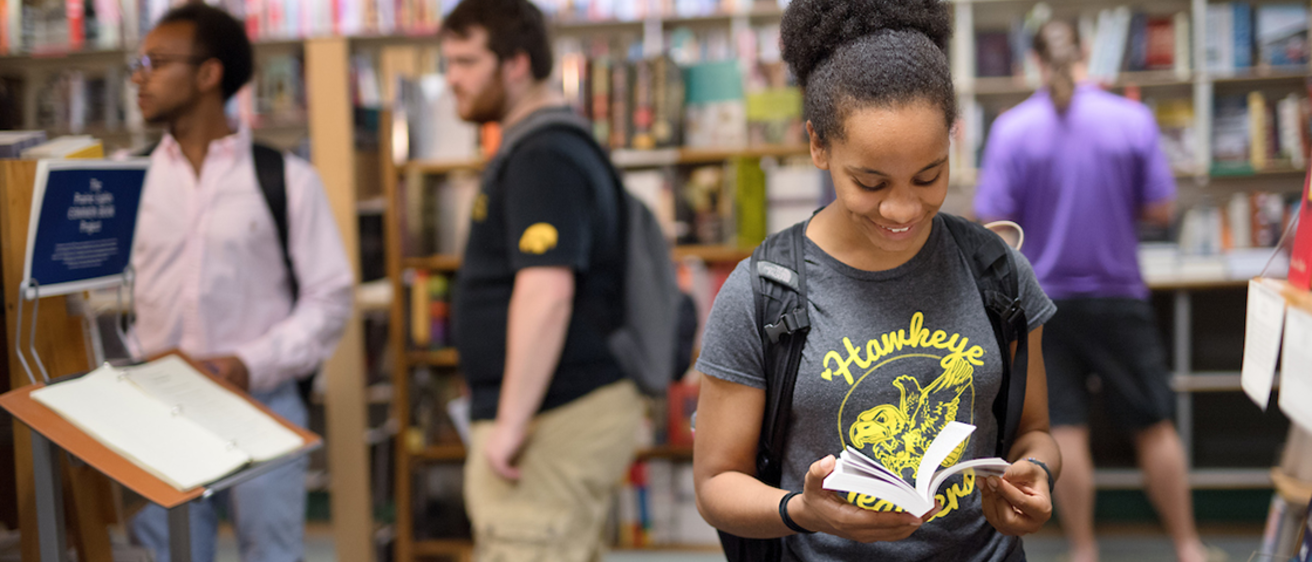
[(821, 510)]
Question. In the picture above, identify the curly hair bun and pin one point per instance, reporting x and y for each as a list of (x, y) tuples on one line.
[(813, 29)]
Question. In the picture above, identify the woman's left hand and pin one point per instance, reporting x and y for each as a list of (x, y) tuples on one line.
[(1018, 503)]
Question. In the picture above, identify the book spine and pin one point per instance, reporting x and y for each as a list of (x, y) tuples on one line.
[(1243, 34), (1300, 258), (1257, 130), (1183, 45)]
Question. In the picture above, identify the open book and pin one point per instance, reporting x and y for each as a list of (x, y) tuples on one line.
[(856, 472), (170, 420)]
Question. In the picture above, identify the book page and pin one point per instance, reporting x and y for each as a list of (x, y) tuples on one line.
[(175, 383), (1265, 320), (943, 444), (1296, 368), (983, 468), (117, 414), (847, 477)]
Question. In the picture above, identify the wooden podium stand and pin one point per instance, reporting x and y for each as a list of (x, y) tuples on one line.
[(63, 347), (52, 433)]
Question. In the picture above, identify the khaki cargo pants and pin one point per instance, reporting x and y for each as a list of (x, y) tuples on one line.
[(575, 457)]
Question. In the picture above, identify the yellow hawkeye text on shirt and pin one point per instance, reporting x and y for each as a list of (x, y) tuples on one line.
[(897, 432)]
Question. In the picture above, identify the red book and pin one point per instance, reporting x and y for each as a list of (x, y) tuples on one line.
[(1300, 259), (1161, 43), (75, 15)]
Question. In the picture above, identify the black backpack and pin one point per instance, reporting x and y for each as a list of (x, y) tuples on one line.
[(647, 339), (270, 170), (779, 294)]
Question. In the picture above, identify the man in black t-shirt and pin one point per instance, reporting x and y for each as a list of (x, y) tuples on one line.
[(537, 294)]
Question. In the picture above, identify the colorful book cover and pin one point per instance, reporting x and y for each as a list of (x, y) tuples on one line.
[(1243, 34), (1136, 56), (1160, 43), (992, 53), (1282, 34), (1300, 258)]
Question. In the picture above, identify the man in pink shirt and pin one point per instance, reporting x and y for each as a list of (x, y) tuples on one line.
[(211, 277)]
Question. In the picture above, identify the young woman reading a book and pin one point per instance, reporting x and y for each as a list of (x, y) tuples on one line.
[(899, 342)]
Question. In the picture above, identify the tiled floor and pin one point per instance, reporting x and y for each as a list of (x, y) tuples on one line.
[(1119, 544)]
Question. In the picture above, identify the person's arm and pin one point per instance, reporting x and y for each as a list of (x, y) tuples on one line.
[(1160, 213), (540, 308), (305, 339), (997, 191), (1019, 502), (732, 499), (1157, 200)]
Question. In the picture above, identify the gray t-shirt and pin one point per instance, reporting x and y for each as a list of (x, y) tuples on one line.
[(892, 356)]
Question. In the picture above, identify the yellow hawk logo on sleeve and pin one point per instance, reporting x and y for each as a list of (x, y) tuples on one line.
[(479, 212), (538, 239)]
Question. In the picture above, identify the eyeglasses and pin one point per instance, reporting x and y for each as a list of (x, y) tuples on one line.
[(146, 64)]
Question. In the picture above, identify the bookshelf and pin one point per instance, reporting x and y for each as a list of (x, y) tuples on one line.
[(325, 128), (1201, 393)]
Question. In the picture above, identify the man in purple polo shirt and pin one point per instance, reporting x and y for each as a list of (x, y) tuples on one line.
[(1077, 168)]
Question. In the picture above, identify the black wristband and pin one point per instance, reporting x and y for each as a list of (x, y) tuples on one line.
[(1045, 471), (788, 521)]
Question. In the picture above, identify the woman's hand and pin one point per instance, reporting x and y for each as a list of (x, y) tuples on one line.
[(821, 510), (1018, 503)]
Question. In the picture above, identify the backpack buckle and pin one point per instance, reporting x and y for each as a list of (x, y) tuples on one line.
[(1007, 309), (788, 323)]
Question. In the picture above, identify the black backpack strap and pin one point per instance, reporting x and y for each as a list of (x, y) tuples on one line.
[(996, 277), (778, 275), (271, 171)]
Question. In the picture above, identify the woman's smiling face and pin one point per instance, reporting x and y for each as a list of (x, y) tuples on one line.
[(890, 171)]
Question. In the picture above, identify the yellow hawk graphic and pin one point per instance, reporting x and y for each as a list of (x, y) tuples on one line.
[(538, 239), (900, 434)]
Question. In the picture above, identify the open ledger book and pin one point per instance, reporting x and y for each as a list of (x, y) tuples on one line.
[(856, 472), (170, 420)]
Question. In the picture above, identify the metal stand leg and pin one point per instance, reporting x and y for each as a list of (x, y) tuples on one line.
[(49, 499), (1184, 404), (180, 533)]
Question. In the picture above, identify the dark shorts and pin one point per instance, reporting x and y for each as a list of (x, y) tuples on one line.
[(1117, 340)]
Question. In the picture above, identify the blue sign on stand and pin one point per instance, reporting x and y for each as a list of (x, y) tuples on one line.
[(85, 216)]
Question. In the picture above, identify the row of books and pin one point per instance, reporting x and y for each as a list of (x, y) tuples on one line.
[(1117, 40), (430, 310), (1245, 220), (34, 145), (82, 100), (1253, 133), (634, 10), (1241, 35), (62, 26), (657, 506)]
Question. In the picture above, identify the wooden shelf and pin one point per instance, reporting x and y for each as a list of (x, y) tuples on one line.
[(433, 263), (441, 358), (441, 453), (710, 155), (1196, 284), (1016, 85), (629, 158), (713, 254), (438, 167), (443, 547), (1262, 74)]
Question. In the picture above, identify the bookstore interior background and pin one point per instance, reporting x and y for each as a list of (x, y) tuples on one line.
[(704, 121)]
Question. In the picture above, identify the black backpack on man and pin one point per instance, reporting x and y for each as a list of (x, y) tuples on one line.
[(647, 340)]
